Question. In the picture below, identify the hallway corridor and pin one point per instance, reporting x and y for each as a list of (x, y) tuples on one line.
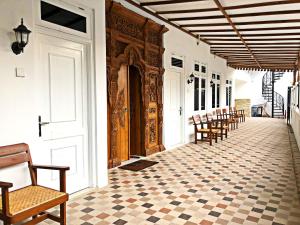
[(245, 179)]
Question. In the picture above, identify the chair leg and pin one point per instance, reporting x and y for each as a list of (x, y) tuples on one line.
[(210, 139), (63, 219), (226, 132), (195, 137), (222, 133), (216, 137)]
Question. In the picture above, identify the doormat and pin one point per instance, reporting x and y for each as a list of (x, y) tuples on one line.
[(138, 165)]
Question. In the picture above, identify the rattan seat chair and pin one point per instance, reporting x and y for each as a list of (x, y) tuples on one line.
[(31, 201)]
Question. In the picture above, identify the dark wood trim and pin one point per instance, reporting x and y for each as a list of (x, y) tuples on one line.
[(241, 23), (253, 39), (251, 35), (248, 29), (254, 43), (283, 12), (255, 5), (168, 2), (256, 47)]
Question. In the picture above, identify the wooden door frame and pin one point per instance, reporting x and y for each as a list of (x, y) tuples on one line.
[(130, 57), (138, 41)]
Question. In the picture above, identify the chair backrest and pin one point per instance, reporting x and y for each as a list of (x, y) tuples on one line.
[(219, 111), (209, 116), (11, 155), (196, 119), (224, 110)]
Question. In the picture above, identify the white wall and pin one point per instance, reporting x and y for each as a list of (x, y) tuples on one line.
[(181, 44), (295, 113), (19, 108), (249, 85)]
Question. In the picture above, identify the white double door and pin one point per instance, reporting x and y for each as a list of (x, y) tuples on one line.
[(173, 109), (62, 81)]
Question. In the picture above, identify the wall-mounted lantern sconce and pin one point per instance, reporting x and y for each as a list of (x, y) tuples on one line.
[(191, 79), (22, 37), (211, 83)]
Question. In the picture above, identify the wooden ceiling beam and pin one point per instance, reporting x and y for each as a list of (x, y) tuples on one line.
[(169, 2), (283, 12), (255, 5), (256, 47), (253, 43), (248, 29), (254, 39), (234, 28), (242, 23), (251, 35)]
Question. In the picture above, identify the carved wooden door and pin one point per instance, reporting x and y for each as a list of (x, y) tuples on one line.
[(123, 115)]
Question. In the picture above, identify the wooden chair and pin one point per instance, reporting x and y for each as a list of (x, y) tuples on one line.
[(217, 124), (225, 122), (240, 113), (31, 201), (204, 127), (233, 121)]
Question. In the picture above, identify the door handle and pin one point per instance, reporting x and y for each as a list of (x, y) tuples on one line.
[(180, 110), (41, 124)]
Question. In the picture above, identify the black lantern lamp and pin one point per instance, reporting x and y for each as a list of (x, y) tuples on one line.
[(22, 37), (211, 83), (191, 78)]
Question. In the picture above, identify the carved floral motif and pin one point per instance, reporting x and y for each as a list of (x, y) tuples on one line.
[(120, 106), (154, 59), (153, 91), (152, 129), (127, 27), (124, 27), (153, 37)]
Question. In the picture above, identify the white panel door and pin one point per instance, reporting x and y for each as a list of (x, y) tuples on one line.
[(173, 109), (63, 89)]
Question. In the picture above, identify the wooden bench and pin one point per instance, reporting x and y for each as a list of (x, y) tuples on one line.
[(30, 202), (202, 126)]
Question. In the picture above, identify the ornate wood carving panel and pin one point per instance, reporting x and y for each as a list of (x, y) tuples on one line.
[(137, 41)]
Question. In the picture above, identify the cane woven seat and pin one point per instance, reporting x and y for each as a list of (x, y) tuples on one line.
[(30, 197), (205, 130)]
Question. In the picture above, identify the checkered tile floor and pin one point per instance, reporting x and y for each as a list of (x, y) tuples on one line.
[(248, 178)]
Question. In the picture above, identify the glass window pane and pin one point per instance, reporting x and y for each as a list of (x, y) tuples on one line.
[(62, 17), (218, 95), (230, 92), (213, 99), (203, 81), (227, 96), (196, 94)]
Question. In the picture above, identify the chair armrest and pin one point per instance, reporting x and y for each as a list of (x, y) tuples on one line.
[(50, 167), (5, 184), (62, 174), (4, 197)]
